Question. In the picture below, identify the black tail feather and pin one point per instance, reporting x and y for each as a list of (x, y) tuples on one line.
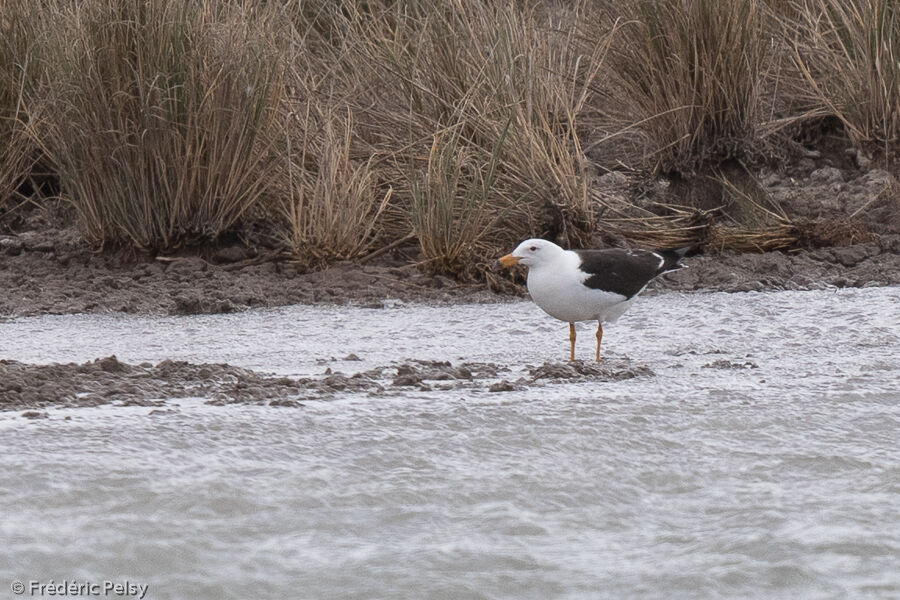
[(673, 258)]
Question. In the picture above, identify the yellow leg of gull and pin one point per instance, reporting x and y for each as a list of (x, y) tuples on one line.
[(599, 337), (571, 342)]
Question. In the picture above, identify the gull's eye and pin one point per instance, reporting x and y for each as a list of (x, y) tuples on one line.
[(533, 248)]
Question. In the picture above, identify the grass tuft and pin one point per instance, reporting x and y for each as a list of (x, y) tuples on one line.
[(451, 205), (848, 53), (498, 92), (17, 150), (160, 116), (334, 205), (687, 78)]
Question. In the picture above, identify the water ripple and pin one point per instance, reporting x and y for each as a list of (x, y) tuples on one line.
[(759, 461)]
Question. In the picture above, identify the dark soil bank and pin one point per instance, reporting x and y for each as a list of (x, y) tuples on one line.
[(52, 271), (31, 388), (860, 265)]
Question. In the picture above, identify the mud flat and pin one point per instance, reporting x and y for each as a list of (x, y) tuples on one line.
[(53, 271), (859, 265), (308, 353), (30, 388)]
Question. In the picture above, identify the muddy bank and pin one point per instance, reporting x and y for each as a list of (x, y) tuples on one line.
[(861, 265), (45, 266), (32, 388), (53, 271)]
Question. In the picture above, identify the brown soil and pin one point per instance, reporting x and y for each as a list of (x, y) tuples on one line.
[(46, 268), (33, 388), (860, 265), (52, 271)]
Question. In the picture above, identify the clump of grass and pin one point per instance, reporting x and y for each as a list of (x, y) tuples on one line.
[(160, 116), (336, 187), (451, 208), (848, 52), (333, 204), (17, 150), (686, 81), (497, 92), (687, 226), (468, 114)]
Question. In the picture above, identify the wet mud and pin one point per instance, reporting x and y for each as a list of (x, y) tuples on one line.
[(53, 272), (871, 264), (50, 270), (607, 370), (34, 388)]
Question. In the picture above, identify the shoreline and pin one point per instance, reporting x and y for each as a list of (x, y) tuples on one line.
[(291, 369), (46, 266), (53, 272)]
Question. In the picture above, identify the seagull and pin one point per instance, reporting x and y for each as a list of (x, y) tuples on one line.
[(588, 285)]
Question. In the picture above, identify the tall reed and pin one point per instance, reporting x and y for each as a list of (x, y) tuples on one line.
[(687, 77), (451, 212), (17, 149), (445, 97), (496, 91), (848, 53), (332, 203), (160, 115)]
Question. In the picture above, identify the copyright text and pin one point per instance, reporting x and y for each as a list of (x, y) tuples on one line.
[(79, 588)]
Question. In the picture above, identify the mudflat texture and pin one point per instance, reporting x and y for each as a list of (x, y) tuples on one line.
[(29, 387), (52, 271), (861, 265)]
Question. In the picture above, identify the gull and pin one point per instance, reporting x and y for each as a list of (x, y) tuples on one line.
[(588, 285)]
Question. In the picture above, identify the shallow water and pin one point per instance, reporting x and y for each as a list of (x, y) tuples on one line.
[(761, 459)]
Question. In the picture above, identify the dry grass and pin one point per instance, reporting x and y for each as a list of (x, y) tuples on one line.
[(684, 226), (160, 116), (347, 127), (451, 205), (333, 190), (848, 53), (17, 151), (333, 204), (466, 114), (687, 76), (494, 94)]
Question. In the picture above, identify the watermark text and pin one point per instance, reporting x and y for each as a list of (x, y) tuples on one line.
[(73, 587)]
